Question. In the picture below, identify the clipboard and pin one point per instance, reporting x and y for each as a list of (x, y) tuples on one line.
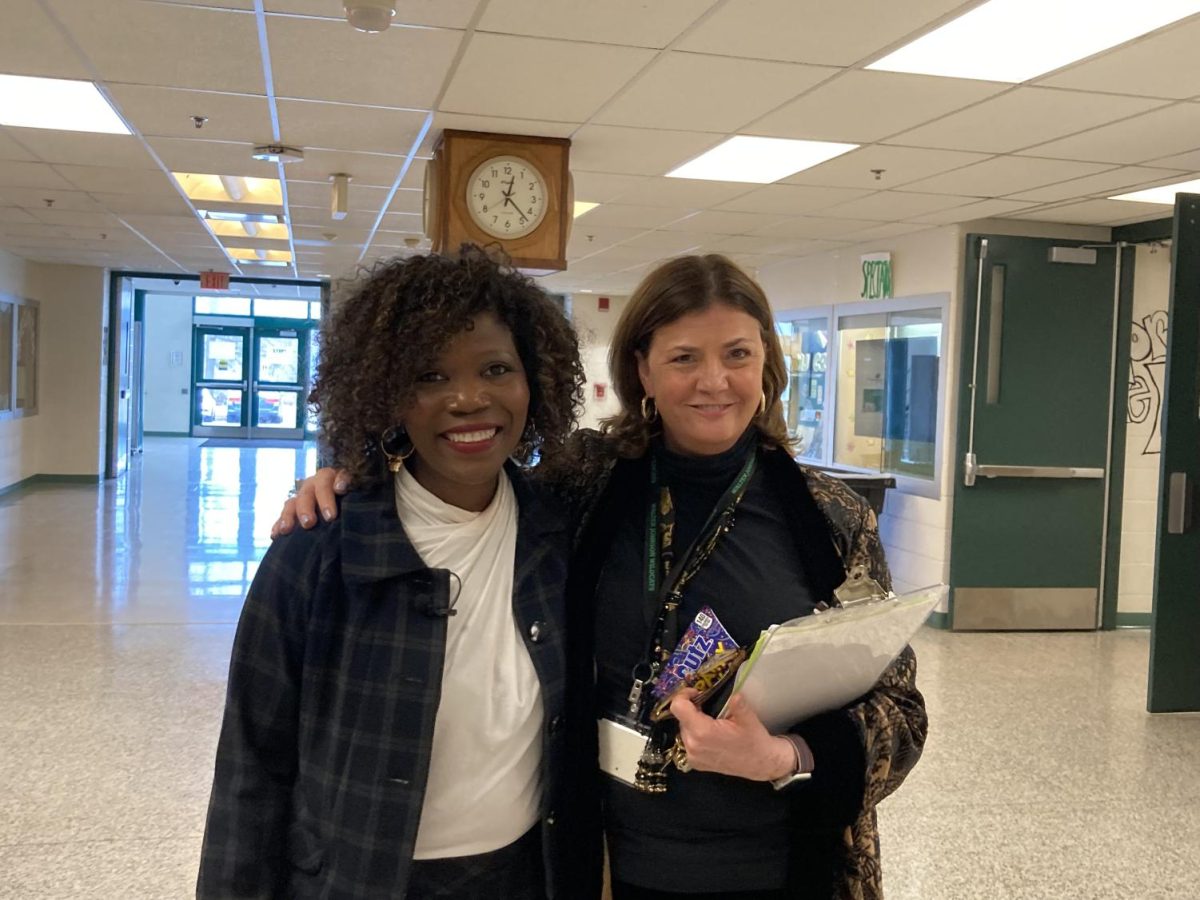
[(817, 663)]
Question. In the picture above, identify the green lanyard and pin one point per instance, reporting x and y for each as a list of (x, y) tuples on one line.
[(666, 592)]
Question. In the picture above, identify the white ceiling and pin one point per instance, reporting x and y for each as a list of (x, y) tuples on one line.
[(639, 88)]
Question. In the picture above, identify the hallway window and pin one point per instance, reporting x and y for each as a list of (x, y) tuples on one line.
[(6, 356), (806, 354), (888, 381), (223, 306)]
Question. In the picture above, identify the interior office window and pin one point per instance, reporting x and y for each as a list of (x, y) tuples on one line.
[(887, 388), (223, 306), (806, 353), (26, 368), (6, 357), (281, 309)]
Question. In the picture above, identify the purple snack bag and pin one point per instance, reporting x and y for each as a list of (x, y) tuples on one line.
[(705, 637)]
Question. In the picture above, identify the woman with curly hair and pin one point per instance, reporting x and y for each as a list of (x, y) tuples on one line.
[(397, 716), (690, 514)]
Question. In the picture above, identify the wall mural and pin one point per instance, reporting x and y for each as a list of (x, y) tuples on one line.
[(1148, 360)]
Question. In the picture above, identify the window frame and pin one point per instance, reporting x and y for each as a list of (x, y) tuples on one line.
[(908, 484), (12, 411)]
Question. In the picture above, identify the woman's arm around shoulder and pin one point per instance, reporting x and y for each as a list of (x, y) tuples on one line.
[(248, 813)]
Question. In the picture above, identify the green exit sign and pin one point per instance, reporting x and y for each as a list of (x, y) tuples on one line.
[(876, 276)]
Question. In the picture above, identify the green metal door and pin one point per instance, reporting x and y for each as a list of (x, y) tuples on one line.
[(1175, 623), (1033, 434)]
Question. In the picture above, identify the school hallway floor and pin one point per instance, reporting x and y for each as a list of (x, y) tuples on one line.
[(1043, 776)]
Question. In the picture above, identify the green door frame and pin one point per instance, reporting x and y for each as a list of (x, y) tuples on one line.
[(1175, 626)]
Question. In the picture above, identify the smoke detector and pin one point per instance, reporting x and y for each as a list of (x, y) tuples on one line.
[(277, 153), (370, 15)]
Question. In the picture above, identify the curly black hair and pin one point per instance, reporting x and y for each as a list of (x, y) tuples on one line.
[(392, 322)]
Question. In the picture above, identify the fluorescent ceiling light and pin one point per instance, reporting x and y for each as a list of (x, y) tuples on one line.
[(271, 232), (230, 188), (582, 206), (1164, 194), (759, 160), (57, 103), (1015, 40), (220, 215), (250, 254)]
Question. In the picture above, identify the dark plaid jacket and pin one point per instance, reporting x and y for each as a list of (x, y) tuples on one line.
[(334, 685)]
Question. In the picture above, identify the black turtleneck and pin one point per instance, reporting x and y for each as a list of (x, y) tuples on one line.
[(753, 579)]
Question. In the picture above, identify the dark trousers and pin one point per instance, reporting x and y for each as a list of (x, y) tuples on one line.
[(514, 872), (622, 891)]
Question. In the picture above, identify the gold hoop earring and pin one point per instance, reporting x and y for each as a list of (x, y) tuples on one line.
[(762, 404), (391, 442), (649, 409)]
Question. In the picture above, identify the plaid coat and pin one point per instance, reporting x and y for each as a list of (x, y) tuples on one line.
[(863, 751), (334, 686)]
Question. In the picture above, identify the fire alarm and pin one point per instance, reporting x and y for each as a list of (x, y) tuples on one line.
[(602, 304)]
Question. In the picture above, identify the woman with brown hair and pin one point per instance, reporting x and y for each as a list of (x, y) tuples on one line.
[(689, 510)]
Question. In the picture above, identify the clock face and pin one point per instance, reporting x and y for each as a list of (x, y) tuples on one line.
[(507, 197)]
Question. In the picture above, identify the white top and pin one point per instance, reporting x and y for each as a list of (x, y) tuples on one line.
[(484, 790)]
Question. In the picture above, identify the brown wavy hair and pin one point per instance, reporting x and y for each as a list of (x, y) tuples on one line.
[(689, 284), (394, 320)]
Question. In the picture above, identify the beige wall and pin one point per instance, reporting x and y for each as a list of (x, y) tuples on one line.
[(1139, 502), (595, 328), (66, 436)]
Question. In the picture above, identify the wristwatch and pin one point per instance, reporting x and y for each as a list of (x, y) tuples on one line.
[(802, 772)]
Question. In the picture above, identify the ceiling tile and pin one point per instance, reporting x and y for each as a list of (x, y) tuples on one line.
[(685, 192), (339, 126), (630, 22), (664, 243), (168, 112), (621, 215), (14, 215), (984, 209), (1138, 67), (885, 231), (11, 149), (407, 223), (722, 222), (1149, 136), (34, 198), (1024, 117), (791, 199), (890, 206), (588, 239), (30, 44), (860, 106), (78, 218), (836, 34), (537, 66), (374, 169), (319, 216), (407, 202), (443, 13), (1099, 212), (181, 224), (1114, 181), (1004, 175), (31, 175), (211, 157), (118, 181), (79, 148), (139, 43), (345, 234), (401, 67), (320, 195), (813, 227), (164, 205), (1189, 161), (736, 91), (897, 167), (602, 187), (498, 125), (636, 151)]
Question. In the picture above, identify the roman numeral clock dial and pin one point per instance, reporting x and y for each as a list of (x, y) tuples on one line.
[(506, 197)]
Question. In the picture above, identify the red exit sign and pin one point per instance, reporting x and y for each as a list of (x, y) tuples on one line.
[(214, 281)]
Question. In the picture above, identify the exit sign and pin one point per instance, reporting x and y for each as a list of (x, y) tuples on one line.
[(214, 281), (876, 276)]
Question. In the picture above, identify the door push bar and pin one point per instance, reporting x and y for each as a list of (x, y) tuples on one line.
[(1179, 503), (972, 470)]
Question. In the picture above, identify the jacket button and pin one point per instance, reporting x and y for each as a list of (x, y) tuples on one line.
[(535, 631), (550, 818), (556, 724)]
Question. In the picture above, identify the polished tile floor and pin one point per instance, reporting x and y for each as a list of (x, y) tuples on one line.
[(1043, 776)]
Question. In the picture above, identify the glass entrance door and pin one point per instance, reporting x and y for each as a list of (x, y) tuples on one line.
[(278, 385), (220, 393)]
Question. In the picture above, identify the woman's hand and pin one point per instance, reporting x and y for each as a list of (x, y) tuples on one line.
[(315, 491), (737, 745)]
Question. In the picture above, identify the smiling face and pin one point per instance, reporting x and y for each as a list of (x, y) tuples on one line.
[(468, 414), (704, 371)]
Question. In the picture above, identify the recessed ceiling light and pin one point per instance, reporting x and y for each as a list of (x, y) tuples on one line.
[(277, 153), (1015, 40), (230, 188), (759, 160), (27, 102), (1164, 194), (582, 206)]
